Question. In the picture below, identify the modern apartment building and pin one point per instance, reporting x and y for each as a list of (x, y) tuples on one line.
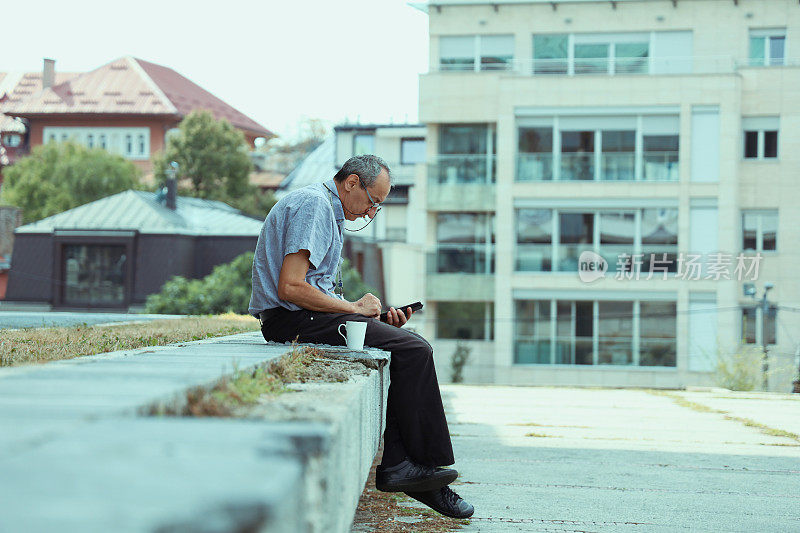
[(663, 136)]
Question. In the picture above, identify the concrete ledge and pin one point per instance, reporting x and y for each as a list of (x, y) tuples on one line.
[(79, 456)]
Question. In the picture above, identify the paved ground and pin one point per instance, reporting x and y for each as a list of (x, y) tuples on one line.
[(564, 459), (29, 319)]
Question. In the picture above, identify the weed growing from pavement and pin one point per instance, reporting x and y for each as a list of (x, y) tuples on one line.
[(247, 387), (41, 345)]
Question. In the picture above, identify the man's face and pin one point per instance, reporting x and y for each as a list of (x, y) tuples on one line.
[(359, 198)]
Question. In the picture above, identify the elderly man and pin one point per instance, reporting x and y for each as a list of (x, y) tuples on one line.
[(297, 294)]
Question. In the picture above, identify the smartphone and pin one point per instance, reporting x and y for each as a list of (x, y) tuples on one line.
[(416, 306)]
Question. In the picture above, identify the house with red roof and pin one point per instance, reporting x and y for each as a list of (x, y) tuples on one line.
[(127, 106)]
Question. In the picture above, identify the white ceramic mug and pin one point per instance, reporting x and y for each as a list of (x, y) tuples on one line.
[(355, 334)]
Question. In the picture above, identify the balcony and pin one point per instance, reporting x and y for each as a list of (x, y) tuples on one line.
[(619, 166), (460, 272), (462, 182)]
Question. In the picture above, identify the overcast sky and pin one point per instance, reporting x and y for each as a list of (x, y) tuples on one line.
[(275, 61)]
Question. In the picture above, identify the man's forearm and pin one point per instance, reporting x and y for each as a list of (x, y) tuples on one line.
[(313, 299)]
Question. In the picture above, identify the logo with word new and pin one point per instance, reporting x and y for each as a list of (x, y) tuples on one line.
[(591, 267)]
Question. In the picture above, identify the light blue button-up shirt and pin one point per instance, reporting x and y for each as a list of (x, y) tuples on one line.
[(310, 219)]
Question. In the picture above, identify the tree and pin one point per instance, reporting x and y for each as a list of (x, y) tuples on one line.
[(354, 287), (56, 177), (212, 155)]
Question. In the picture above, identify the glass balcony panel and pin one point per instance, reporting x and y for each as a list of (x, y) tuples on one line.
[(591, 59), (466, 168), (565, 351), (535, 167), (464, 258), (618, 166), (660, 166), (577, 166), (534, 258)]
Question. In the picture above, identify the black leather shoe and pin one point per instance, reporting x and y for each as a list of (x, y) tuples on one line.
[(409, 476), (444, 501)]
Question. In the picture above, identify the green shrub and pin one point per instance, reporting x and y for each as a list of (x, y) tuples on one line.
[(739, 369), (226, 289)]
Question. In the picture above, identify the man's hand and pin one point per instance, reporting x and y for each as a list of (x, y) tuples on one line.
[(396, 317), (368, 305)]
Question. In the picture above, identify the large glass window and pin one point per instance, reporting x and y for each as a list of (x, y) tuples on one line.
[(464, 154), (577, 155), (767, 47), (465, 243), (617, 236), (465, 320), (363, 143), (657, 323), (476, 52), (497, 51), (576, 234), (618, 159), (759, 230), (631, 57), (535, 155), (591, 58), (412, 151), (576, 336), (615, 333), (659, 240), (532, 332), (457, 52), (618, 229), (534, 240), (660, 157), (550, 54), (94, 274)]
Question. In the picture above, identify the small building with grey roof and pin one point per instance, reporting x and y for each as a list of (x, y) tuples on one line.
[(114, 252)]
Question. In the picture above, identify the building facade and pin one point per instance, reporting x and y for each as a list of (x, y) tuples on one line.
[(663, 136)]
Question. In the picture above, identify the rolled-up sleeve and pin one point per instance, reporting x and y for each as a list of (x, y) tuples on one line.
[(310, 228)]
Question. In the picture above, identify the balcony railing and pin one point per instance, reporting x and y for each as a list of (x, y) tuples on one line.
[(707, 64), (451, 258), (619, 166), (534, 167), (462, 168)]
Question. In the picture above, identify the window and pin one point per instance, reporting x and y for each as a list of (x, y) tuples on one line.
[(550, 54), (465, 320), (457, 53), (618, 159), (363, 143), (534, 240), (601, 332), (132, 143), (759, 230), (760, 137), (583, 53), (141, 144), (465, 243), (90, 140), (577, 155), (128, 145), (412, 151), (476, 52), (94, 274), (12, 140), (466, 154), (750, 320), (535, 155), (103, 143), (616, 231), (657, 326), (767, 47)]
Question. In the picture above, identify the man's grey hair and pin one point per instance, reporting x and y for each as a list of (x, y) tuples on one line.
[(366, 166)]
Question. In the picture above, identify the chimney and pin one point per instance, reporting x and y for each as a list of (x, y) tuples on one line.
[(172, 193), (49, 73)]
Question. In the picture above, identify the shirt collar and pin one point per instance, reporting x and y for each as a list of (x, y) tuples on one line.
[(338, 211)]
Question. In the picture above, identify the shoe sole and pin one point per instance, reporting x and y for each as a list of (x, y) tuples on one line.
[(434, 482), (440, 511)]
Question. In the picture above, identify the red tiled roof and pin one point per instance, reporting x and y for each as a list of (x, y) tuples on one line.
[(129, 86)]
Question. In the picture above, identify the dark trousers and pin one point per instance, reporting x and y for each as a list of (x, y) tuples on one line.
[(415, 423)]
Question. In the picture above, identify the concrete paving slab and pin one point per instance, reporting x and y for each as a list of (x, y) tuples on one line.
[(616, 460)]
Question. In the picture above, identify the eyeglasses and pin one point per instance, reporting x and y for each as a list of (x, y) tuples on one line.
[(375, 205)]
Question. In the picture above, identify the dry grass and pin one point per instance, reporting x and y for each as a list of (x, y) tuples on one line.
[(245, 388), (41, 345)]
